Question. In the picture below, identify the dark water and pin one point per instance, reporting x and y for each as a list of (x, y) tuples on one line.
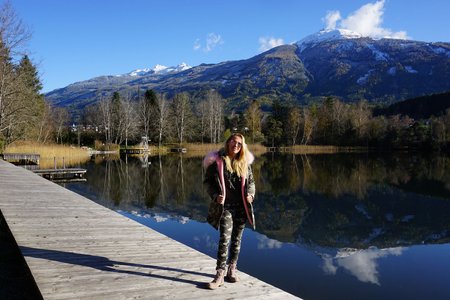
[(328, 226)]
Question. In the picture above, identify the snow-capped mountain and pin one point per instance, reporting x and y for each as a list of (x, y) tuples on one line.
[(158, 70), (327, 35), (337, 63)]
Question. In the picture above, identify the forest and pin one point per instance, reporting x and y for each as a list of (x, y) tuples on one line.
[(183, 119)]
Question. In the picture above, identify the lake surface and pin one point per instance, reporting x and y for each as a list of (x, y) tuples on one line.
[(341, 226)]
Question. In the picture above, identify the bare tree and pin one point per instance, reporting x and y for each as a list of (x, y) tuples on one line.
[(309, 125), (339, 116), (145, 111), (61, 121), (253, 118), (214, 115), (129, 116), (293, 124), (161, 113), (105, 118), (45, 125), (182, 115), (14, 34), (202, 112), (360, 116)]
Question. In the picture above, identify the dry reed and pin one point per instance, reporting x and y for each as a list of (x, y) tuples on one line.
[(51, 153), (199, 150), (321, 149)]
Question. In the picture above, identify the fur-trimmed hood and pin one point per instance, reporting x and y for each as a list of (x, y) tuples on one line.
[(211, 157)]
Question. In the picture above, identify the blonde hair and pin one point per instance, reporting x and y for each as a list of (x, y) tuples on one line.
[(239, 163)]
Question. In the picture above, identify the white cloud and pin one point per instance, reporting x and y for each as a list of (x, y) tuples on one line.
[(197, 45), (367, 20), (212, 41), (331, 19), (266, 43)]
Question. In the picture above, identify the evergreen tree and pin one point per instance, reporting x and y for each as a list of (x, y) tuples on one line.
[(274, 128), (36, 113), (30, 75)]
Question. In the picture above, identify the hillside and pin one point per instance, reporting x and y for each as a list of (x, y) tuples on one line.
[(419, 108), (329, 63)]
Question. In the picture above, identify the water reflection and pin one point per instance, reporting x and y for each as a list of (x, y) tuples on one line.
[(360, 263), (331, 216), (336, 201)]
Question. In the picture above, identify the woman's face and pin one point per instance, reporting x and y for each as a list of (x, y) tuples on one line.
[(235, 145)]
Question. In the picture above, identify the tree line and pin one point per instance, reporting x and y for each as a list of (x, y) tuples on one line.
[(123, 119), (184, 118)]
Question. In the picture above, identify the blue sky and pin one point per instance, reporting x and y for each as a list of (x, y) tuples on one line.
[(77, 40)]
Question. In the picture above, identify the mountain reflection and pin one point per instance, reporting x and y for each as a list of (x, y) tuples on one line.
[(339, 201)]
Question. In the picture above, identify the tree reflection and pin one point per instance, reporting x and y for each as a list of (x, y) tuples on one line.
[(339, 200)]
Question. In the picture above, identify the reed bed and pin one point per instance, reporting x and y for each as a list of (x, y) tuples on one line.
[(200, 150), (322, 149), (51, 154), (194, 150)]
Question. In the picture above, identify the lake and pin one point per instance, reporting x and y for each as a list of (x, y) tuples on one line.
[(340, 226)]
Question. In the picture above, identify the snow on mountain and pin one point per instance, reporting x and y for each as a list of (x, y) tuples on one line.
[(379, 55), (138, 72), (158, 70), (327, 35), (440, 50)]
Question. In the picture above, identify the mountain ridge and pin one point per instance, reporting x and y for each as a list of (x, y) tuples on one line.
[(334, 63)]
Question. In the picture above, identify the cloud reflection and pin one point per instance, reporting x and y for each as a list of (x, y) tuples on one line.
[(360, 263), (205, 241), (265, 243)]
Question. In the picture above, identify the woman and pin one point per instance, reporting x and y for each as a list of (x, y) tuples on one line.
[(229, 182)]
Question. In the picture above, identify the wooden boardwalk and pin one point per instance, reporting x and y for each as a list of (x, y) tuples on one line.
[(78, 249)]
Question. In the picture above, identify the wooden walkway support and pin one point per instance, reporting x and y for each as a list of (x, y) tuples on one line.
[(278, 149), (61, 174), (178, 150), (78, 249), (135, 151), (22, 158)]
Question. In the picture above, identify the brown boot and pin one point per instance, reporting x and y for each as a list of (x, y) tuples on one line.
[(232, 273), (218, 280)]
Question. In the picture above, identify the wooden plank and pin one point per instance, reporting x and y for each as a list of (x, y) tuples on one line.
[(78, 249)]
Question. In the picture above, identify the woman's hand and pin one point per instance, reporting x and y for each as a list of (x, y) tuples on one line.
[(249, 198), (220, 199)]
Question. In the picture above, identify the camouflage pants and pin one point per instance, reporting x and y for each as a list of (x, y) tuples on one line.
[(231, 228)]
